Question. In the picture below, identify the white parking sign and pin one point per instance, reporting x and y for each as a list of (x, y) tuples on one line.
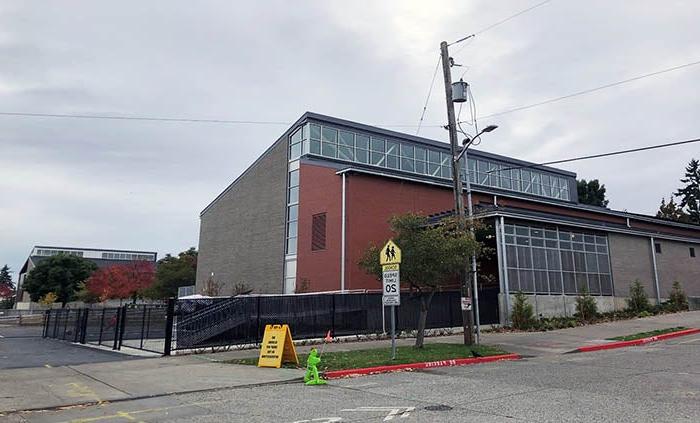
[(391, 295)]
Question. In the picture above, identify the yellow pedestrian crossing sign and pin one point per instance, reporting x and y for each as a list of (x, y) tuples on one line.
[(390, 254)]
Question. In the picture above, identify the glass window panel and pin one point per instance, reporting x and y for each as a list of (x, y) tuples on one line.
[(290, 268), (329, 135), (551, 243), (564, 245), (581, 282), (522, 230), (506, 182), (392, 147), (407, 164), (377, 144), (305, 132), (523, 240), (421, 154), (510, 239), (293, 195), (606, 285), (291, 246), (513, 282), (292, 229), (493, 174), (315, 132), (362, 141), (445, 159), (594, 284), (434, 156), (591, 263), (577, 237), (294, 178), (509, 229), (392, 161), (555, 282), (524, 259), (305, 147), (537, 242), (511, 256), (329, 150), (433, 169), (421, 167), (293, 213), (539, 260), (346, 153), (407, 151), (567, 260), (603, 263), (579, 262), (553, 260), (577, 246), (526, 281), (601, 240), (541, 285), (569, 283), (315, 147), (295, 151), (377, 158), (362, 156), (347, 138), (296, 137), (601, 249), (536, 232), (446, 171)]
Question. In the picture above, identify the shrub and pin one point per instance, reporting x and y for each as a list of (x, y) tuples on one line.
[(523, 315), (677, 300), (586, 306), (638, 300)]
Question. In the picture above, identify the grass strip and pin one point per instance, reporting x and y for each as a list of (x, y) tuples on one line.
[(358, 359), (641, 335)]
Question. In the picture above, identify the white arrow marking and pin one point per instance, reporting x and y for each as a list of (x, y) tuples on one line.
[(402, 412)]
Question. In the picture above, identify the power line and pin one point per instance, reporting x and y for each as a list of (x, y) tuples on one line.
[(595, 156), (590, 90), (430, 91), (145, 118)]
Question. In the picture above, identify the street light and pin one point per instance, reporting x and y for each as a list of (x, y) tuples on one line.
[(463, 154)]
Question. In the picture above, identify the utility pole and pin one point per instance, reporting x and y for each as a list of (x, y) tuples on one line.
[(467, 320)]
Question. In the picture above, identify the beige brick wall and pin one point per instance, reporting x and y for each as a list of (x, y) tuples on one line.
[(675, 264), (630, 259), (241, 235)]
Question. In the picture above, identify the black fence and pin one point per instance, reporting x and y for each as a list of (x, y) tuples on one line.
[(212, 322)]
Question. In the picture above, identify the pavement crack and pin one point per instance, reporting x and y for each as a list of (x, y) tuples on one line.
[(100, 381)]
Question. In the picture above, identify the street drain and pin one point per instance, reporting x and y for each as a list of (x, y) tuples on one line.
[(439, 407)]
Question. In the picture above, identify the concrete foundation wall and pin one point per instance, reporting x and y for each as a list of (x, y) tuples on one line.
[(241, 235), (561, 305)]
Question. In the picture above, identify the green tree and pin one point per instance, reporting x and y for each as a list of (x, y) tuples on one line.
[(7, 288), (672, 211), (432, 256), (677, 300), (690, 193), (591, 192), (172, 273), (522, 315), (638, 300), (586, 306), (61, 275)]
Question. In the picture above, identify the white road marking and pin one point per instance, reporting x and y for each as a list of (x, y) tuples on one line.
[(402, 412), (688, 342)]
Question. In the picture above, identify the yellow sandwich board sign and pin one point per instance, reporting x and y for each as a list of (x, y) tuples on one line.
[(390, 254), (277, 347)]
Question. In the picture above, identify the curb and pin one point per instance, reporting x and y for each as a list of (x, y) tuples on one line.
[(335, 374), (636, 342)]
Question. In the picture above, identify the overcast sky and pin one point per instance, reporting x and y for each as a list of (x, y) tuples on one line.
[(141, 185)]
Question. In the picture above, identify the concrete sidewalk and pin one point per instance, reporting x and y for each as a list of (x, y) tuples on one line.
[(523, 343), (49, 387)]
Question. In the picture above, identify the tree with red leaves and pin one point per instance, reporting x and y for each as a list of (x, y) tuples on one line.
[(122, 280)]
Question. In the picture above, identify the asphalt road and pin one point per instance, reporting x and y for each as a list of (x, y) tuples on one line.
[(655, 383), (23, 346)]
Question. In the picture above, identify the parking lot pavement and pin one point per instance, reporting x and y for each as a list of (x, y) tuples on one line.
[(23, 346), (656, 382)]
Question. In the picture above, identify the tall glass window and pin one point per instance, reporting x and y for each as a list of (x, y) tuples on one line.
[(351, 146), (552, 260)]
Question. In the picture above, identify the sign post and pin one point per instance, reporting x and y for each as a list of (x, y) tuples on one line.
[(390, 259)]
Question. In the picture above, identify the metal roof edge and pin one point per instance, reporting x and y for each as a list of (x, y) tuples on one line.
[(93, 249)]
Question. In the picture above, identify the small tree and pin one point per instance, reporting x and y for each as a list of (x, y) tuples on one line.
[(211, 287), (677, 300), (586, 306), (7, 288), (433, 256), (241, 288), (48, 299), (638, 300), (523, 315)]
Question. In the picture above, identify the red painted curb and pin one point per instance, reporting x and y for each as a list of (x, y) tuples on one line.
[(635, 342), (335, 374)]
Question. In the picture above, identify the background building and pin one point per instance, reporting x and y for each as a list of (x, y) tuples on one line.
[(102, 258), (299, 218)]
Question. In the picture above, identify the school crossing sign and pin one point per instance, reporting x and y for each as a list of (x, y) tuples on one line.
[(390, 259)]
